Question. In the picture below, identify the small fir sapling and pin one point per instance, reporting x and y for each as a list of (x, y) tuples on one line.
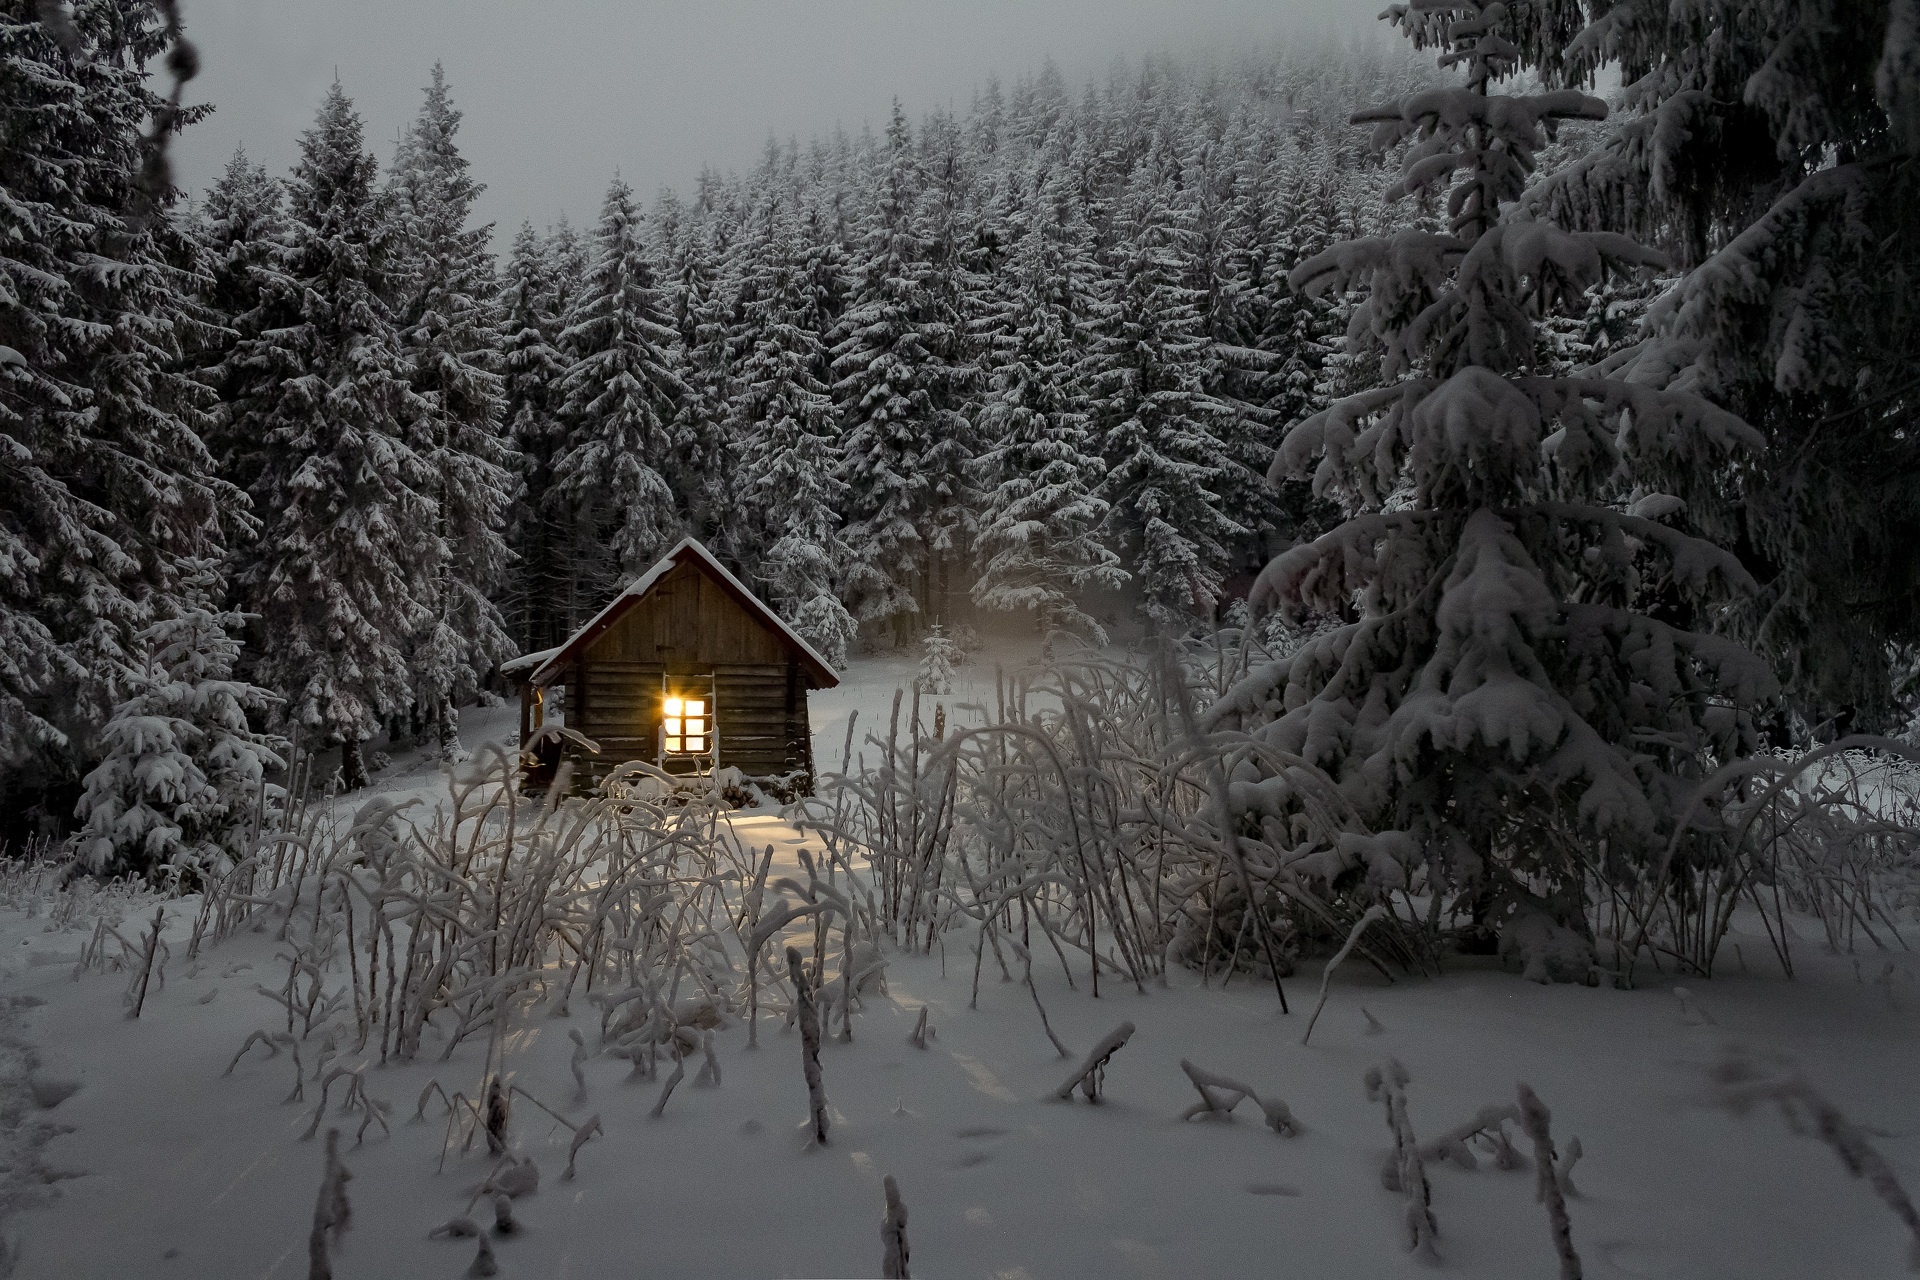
[(1537, 1121), (332, 1213), (1367, 917), (1403, 1171), (938, 657), (893, 1234), (809, 1043), (1091, 1074)]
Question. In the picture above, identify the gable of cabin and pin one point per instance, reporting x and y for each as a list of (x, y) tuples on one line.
[(687, 621)]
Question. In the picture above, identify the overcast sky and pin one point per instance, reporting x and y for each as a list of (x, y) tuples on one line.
[(560, 93)]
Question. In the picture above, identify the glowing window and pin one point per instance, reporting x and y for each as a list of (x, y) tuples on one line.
[(686, 729)]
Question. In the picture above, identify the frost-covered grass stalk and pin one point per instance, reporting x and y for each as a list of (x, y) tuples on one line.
[(893, 1235), (1404, 1170), (1353, 937), (1091, 1074), (332, 1213), (1537, 1121), (809, 1020)]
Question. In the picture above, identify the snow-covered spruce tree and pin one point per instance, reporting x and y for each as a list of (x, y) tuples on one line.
[(944, 226), (450, 328), (1204, 179), (1039, 541), (1166, 468), (181, 784), (1525, 672), (1770, 145), (241, 229), (900, 391), (788, 449), (350, 553), (1303, 330), (620, 392), (705, 309), (533, 366), (105, 485)]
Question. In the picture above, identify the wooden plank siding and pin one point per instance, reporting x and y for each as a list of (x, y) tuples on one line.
[(687, 625)]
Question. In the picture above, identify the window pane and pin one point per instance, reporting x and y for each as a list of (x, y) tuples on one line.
[(696, 707), (673, 724), (696, 746), (673, 706), (696, 724), (673, 746)]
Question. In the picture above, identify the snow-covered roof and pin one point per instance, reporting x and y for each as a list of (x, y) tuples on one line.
[(527, 661), (547, 663)]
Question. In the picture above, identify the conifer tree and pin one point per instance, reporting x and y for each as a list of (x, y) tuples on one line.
[(619, 397), (1528, 672), (241, 229), (1039, 545), (899, 392), (450, 330), (699, 472), (181, 784), (351, 553), (533, 367), (106, 487), (1160, 432), (1780, 172), (789, 448)]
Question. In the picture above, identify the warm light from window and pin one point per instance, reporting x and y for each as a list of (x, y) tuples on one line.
[(685, 727)]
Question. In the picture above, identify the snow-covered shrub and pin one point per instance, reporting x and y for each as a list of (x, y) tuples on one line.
[(181, 785)]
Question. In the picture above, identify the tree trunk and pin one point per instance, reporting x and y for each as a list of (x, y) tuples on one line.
[(447, 727), (353, 766)]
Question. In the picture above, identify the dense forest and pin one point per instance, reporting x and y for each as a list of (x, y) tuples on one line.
[(305, 456)]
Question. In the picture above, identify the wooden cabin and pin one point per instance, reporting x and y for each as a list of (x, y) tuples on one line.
[(687, 670)]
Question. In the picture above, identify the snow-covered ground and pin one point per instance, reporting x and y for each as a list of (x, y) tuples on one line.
[(167, 1167)]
